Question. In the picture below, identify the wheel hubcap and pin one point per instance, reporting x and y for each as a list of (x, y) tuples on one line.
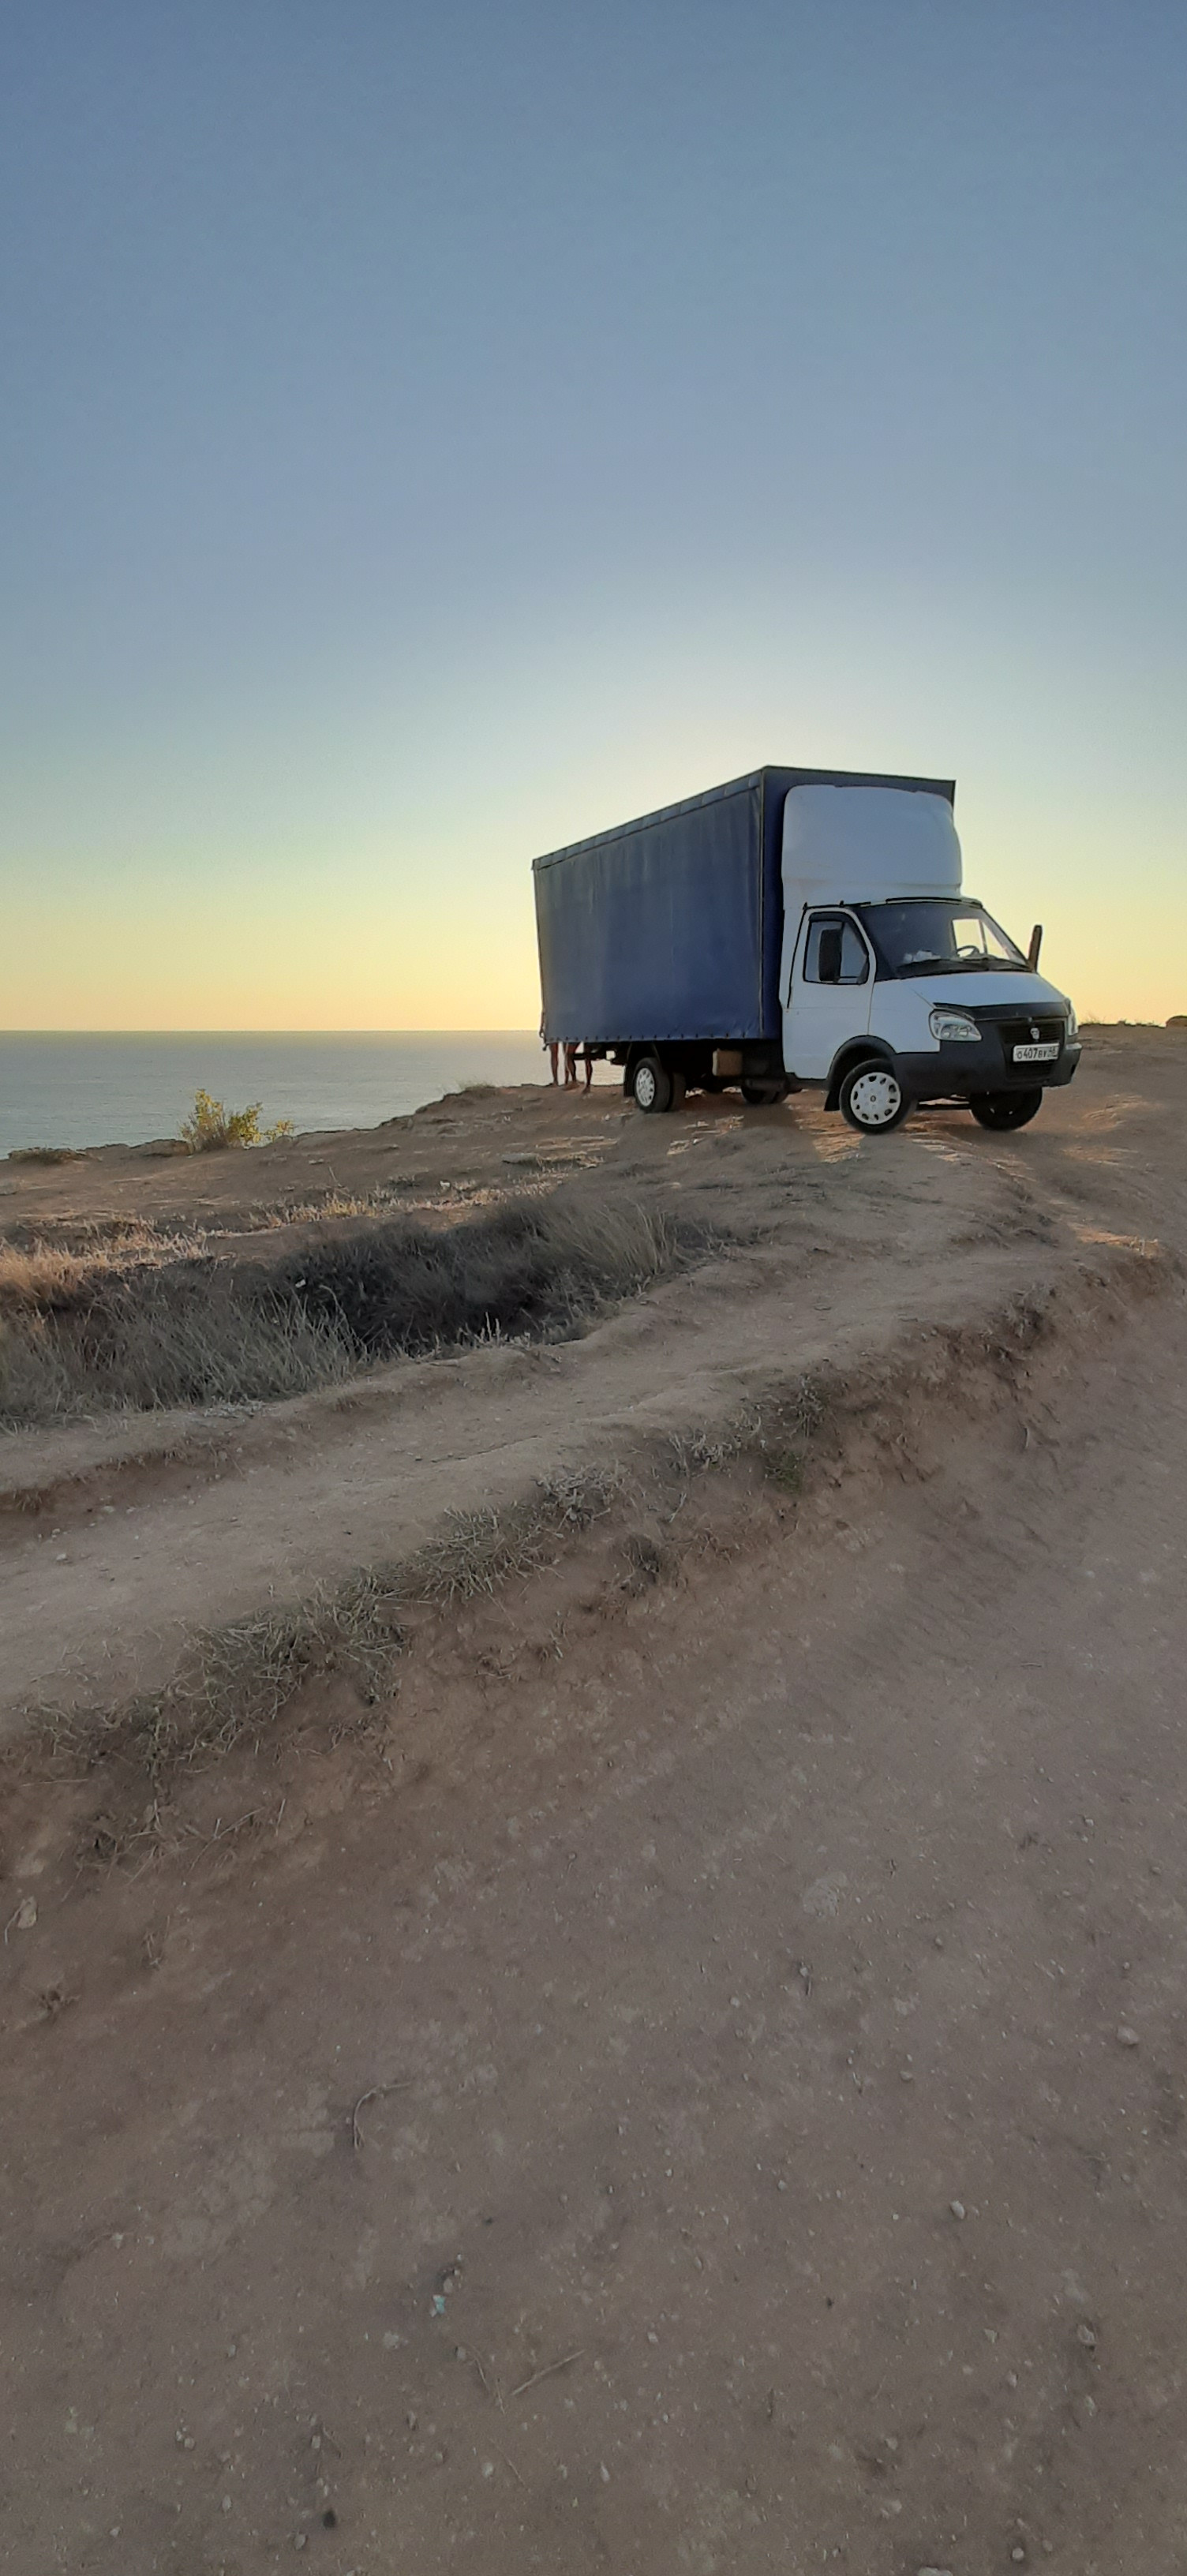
[(875, 1098), (645, 1086)]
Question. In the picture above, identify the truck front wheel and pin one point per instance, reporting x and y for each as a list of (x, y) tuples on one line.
[(1005, 1109), (652, 1085), (872, 1098)]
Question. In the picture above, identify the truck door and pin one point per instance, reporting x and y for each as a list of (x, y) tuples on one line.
[(829, 993)]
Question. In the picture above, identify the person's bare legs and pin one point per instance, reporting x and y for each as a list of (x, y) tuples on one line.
[(553, 1053), (570, 1064)]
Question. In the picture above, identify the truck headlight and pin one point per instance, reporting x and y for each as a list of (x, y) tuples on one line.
[(954, 1026), (1073, 1025)]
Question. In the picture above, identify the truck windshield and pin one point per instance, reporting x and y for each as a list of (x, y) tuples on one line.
[(937, 937)]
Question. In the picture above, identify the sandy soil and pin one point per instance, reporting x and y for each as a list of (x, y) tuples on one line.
[(755, 1946)]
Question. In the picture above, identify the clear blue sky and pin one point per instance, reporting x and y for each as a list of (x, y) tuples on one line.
[(430, 434)]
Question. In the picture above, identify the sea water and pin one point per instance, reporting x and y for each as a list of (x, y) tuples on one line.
[(125, 1089)]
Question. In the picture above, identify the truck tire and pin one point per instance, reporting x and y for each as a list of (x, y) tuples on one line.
[(652, 1085), (872, 1097), (763, 1095), (1002, 1110)]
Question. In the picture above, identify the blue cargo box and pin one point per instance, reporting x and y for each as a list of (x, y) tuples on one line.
[(671, 927)]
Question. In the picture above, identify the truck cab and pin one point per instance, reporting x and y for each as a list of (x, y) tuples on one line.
[(897, 988)]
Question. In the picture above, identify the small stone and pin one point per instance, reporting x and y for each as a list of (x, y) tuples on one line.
[(935, 2571), (226, 2504), (1085, 2335), (1128, 2037), (957, 2208), (26, 1914), (1018, 2556), (604, 2474), (300, 2539), (488, 2468)]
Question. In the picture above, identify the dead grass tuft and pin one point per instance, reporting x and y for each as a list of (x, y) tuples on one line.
[(235, 1682), (785, 1425), (478, 1552)]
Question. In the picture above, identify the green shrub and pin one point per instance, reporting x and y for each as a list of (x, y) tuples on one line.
[(210, 1126)]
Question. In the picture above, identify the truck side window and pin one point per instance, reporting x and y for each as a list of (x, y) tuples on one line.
[(835, 952)]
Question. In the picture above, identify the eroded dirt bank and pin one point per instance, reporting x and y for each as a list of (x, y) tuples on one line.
[(694, 2078)]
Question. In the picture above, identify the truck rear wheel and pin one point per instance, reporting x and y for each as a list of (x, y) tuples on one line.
[(763, 1095), (872, 1098), (652, 1085), (1005, 1109)]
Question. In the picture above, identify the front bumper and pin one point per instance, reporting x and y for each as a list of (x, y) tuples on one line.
[(957, 1072)]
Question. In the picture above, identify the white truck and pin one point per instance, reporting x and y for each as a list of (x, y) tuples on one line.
[(799, 928)]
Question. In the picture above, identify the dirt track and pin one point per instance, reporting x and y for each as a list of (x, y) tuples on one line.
[(721, 1938), (121, 1535)]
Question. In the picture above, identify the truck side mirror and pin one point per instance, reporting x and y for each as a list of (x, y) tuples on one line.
[(828, 955), (1036, 942)]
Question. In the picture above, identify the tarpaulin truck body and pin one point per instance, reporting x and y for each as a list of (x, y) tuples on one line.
[(755, 933)]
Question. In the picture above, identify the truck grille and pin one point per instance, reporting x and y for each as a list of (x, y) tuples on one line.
[(1027, 1032)]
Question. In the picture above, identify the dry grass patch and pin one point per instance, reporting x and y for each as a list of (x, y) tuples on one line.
[(45, 1154), (79, 1333), (235, 1682)]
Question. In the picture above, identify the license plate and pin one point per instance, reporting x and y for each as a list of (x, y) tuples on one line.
[(1044, 1054)]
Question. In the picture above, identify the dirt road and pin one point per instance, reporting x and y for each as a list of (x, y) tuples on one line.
[(697, 2084), (119, 1535)]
